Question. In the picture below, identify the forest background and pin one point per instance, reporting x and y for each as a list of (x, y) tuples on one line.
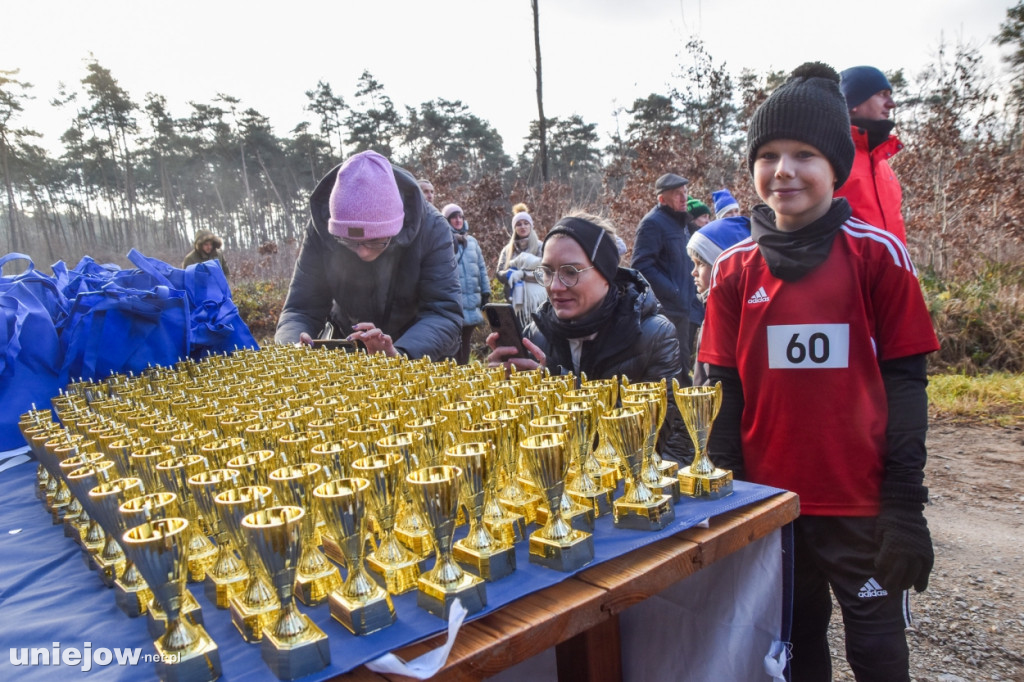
[(132, 175)]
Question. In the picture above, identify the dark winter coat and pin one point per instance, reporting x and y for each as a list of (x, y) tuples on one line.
[(411, 291), (637, 342), (659, 253), (197, 255)]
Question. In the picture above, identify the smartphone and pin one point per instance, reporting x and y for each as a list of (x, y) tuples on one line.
[(503, 320), (337, 344)]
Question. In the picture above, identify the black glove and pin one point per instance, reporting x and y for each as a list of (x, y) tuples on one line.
[(485, 298), (905, 555)]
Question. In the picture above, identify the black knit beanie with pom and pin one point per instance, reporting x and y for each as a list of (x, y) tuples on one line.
[(810, 108)]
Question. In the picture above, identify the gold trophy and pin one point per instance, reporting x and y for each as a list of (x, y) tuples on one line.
[(639, 508), (410, 528), (557, 545), (138, 510), (699, 406), (580, 516), (479, 551), (174, 474), (159, 548), (654, 405), (361, 605), (256, 606), (518, 501), (583, 488), (397, 567), (131, 593), (293, 646), (436, 492), (228, 575), (108, 556), (315, 575)]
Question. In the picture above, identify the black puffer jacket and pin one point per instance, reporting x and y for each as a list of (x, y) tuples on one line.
[(411, 291), (637, 342)]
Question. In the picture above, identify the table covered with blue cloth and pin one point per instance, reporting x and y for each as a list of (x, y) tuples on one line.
[(50, 600)]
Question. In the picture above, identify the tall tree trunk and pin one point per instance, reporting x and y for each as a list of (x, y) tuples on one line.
[(540, 95)]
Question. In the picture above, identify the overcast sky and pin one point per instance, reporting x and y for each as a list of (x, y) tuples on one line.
[(598, 55)]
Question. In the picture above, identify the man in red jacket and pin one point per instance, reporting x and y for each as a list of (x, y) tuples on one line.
[(873, 190)]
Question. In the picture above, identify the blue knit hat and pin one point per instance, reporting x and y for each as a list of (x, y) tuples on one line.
[(724, 202), (858, 83), (710, 241)]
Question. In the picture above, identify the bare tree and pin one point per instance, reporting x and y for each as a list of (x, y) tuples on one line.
[(543, 130)]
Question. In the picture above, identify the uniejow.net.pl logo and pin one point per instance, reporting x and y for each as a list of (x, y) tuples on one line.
[(83, 657)]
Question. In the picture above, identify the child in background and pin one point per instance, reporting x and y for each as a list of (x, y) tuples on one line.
[(818, 331), (704, 247), (726, 205)]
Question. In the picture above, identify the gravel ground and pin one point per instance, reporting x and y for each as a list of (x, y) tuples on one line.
[(969, 624)]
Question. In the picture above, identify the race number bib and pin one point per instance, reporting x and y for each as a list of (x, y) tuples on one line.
[(809, 346)]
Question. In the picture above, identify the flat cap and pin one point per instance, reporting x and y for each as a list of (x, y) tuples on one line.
[(669, 181)]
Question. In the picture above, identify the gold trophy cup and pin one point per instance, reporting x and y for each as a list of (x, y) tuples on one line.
[(639, 508), (479, 551), (557, 544), (159, 548), (293, 646), (699, 406), (396, 567), (256, 606), (435, 490), (360, 604)]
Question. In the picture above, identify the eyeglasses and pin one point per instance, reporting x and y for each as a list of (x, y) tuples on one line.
[(569, 275), (371, 244)]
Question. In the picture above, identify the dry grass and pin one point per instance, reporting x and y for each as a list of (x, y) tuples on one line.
[(996, 398)]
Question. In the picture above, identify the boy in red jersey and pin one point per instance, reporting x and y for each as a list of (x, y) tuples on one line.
[(818, 331)]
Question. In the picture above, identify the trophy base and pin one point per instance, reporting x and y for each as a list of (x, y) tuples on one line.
[(566, 555), (665, 486), (220, 589), (73, 529), (109, 569), (580, 518), (509, 530), (296, 657), (312, 590), (395, 578), (713, 486), (362, 618), (610, 477), (419, 543), (438, 599), (668, 468), (131, 599), (599, 501), (201, 662), (200, 562), (652, 516), (250, 621), (499, 563), (527, 507), (156, 619)]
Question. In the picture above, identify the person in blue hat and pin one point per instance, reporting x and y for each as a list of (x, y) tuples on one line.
[(726, 205)]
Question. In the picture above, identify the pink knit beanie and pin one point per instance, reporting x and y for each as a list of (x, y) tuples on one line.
[(365, 203)]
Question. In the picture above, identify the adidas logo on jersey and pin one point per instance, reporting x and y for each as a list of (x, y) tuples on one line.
[(760, 296), (872, 589)]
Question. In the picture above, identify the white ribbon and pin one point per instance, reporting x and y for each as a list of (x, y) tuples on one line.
[(427, 665), (775, 661)]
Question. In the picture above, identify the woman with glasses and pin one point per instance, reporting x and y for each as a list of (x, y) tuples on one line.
[(476, 285), (376, 265), (599, 318)]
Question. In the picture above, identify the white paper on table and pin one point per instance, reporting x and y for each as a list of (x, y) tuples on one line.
[(427, 665)]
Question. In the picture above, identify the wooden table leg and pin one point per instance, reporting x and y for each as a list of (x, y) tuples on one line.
[(594, 655)]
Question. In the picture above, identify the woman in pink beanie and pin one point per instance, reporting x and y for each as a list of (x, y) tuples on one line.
[(376, 265)]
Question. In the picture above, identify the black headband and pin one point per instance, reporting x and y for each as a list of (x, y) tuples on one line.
[(595, 241)]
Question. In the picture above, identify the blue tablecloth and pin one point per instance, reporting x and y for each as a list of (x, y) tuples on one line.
[(49, 599)]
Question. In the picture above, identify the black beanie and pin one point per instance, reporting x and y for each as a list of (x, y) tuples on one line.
[(596, 242), (810, 108)]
